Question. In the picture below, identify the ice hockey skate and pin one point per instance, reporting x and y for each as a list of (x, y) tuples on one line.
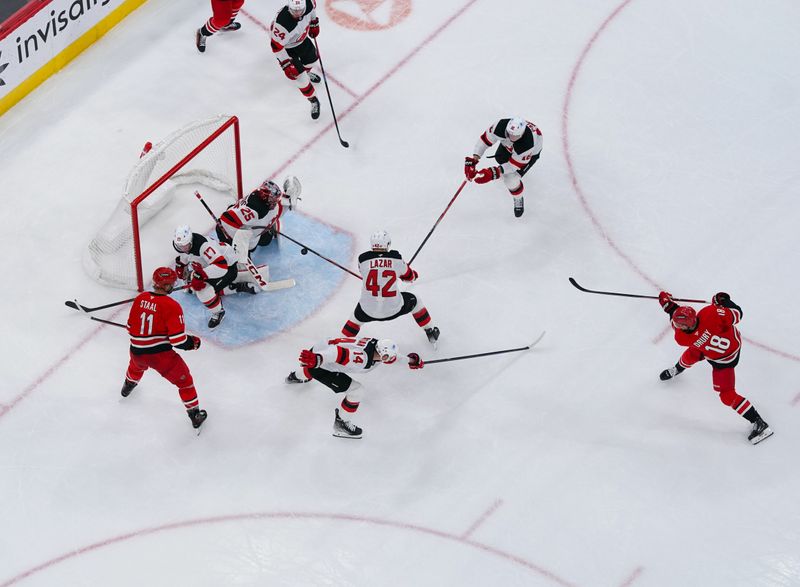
[(519, 206), (315, 79), (761, 431), (293, 378), (216, 318), (232, 26), (127, 387), (314, 108), (200, 41), (345, 428), (433, 335), (197, 417)]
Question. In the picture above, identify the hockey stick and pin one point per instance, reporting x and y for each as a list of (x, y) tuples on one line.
[(342, 142), (627, 295), (76, 306), (307, 248), (461, 187), (516, 350)]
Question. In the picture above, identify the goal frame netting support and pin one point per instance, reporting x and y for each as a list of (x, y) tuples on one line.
[(94, 261)]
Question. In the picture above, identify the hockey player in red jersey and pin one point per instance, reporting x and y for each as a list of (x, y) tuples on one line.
[(155, 326), (380, 300), (331, 361), (519, 148), (291, 33), (223, 18), (711, 334), (259, 213)]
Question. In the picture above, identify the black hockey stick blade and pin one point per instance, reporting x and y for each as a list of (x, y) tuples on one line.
[(85, 312), (76, 306), (514, 350), (628, 295)]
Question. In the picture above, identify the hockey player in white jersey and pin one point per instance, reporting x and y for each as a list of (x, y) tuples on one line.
[(259, 213), (210, 268), (329, 362), (381, 300), (519, 148), (290, 38)]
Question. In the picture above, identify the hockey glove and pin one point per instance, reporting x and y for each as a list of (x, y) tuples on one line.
[(665, 299), (192, 343), (469, 167), (721, 298), (310, 359), (414, 362), (180, 267), (313, 28), (290, 70), (199, 277), (409, 275), (488, 174), (671, 372)]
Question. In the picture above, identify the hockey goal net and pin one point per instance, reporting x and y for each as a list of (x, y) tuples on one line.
[(159, 195)]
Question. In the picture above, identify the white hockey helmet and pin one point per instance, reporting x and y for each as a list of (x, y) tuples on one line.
[(183, 239), (515, 128), (380, 240), (387, 350), (296, 8)]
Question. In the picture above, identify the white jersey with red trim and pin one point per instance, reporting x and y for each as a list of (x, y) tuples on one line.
[(381, 272), (521, 151), (347, 355), (250, 214), (287, 32), (215, 257)]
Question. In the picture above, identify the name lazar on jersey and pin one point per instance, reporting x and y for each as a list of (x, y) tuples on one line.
[(380, 262)]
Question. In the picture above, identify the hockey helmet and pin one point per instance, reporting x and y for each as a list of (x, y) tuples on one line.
[(684, 318), (297, 8), (387, 350), (380, 240), (269, 192), (183, 239), (164, 278), (515, 128)]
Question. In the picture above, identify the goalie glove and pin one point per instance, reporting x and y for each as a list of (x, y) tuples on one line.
[(488, 174), (671, 372), (292, 190)]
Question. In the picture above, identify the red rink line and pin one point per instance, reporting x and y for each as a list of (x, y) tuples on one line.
[(290, 516), (485, 516), (633, 576), (582, 197), (333, 80)]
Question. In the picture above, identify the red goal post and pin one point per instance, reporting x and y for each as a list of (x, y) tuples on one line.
[(205, 152)]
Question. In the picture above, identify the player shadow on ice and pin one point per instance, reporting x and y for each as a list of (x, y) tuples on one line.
[(253, 318)]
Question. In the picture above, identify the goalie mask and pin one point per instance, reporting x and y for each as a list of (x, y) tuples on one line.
[(515, 128), (380, 240), (269, 192), (183, 239), (297, 8), (387, 349)]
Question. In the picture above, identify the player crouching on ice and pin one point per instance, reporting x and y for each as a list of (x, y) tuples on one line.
[(210, 268), (711, 334), (519, 148), (329, 363), (259, 214)]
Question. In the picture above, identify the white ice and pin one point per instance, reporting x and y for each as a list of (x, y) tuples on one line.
[(670, 161)]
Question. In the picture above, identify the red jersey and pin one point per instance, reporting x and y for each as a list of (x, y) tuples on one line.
[(155, 324), (716, 337)]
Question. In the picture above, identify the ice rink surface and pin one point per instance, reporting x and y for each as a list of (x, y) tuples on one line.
[(670, 161)]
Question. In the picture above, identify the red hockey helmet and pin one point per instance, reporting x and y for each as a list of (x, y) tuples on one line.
[(164, 278), (684, 318), (269, 192)]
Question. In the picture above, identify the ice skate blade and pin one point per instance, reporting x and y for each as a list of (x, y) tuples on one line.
[(761, 437)]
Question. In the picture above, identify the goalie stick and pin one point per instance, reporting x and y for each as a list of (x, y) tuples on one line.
[(515, 350), (627, 295)]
